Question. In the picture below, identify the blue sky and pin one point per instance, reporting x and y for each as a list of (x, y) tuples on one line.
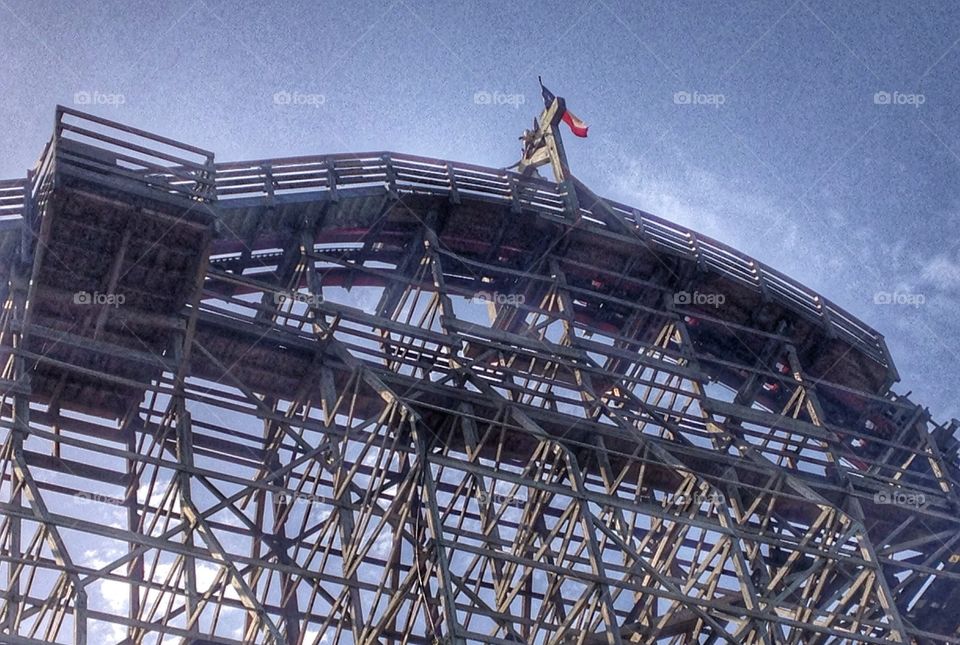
[(786, 149)]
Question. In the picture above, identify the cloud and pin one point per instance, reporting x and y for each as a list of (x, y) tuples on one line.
[(941, 272), (104, 632), (312, 636), (753, 222), (844, 254), (115, 593)]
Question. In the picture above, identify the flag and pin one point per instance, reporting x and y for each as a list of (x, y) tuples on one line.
[(547, 94), (576, 125)]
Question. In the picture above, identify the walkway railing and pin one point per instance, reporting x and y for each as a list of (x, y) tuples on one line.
[(12, 192), (98, 149), (411, 174)]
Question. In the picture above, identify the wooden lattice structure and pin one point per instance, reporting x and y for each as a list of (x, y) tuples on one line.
[(376, 398)]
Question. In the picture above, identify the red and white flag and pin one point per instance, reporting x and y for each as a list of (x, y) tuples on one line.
[(576, 125)]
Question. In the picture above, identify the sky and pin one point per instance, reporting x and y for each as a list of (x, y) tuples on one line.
[(820, 137)]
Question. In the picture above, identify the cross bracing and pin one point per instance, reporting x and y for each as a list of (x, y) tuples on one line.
[(376, 398)]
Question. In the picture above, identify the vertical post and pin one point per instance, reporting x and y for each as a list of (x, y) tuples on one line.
[(544, 145), (135, 566), (184, 436), (21, 421)]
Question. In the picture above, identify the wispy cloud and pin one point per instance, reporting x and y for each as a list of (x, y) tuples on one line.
[(942, 272), (841, 254)]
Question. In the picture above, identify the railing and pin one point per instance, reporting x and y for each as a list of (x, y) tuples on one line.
[(40, 182), (99, 149), (12, 195), (400, 174)]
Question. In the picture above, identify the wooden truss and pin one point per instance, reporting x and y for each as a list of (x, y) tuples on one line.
[(383, 399)]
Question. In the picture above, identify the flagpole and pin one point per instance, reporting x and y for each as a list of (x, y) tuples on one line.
[(544, 145)]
